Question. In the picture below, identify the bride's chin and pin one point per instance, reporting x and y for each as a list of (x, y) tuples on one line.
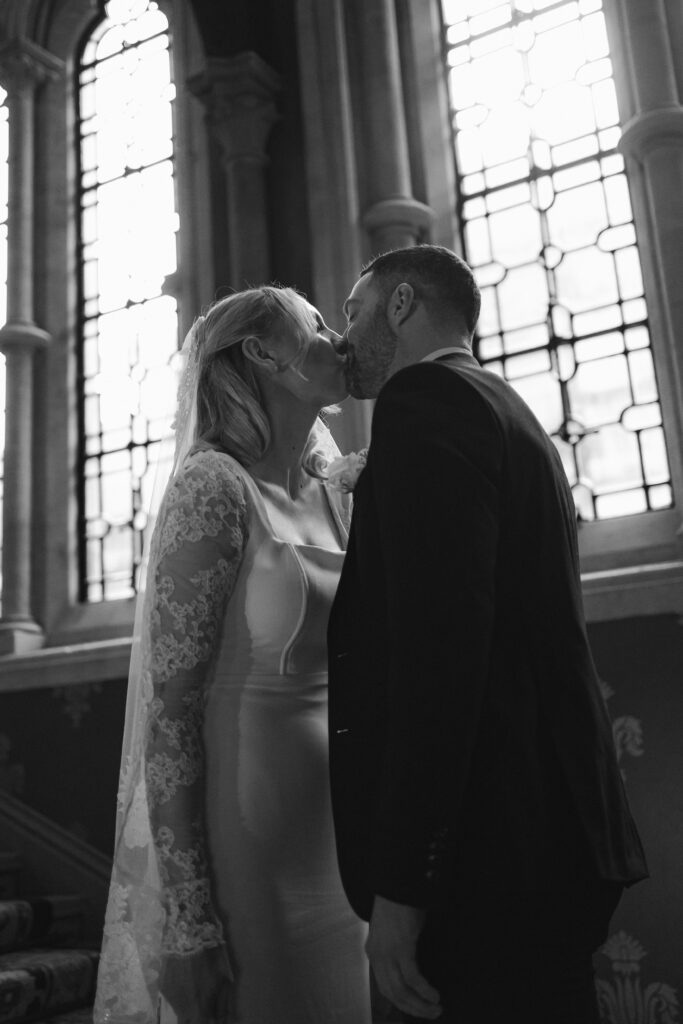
[(334, 398), (339, 391)]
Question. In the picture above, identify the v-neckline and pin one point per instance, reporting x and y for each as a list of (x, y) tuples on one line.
[(334, 516)]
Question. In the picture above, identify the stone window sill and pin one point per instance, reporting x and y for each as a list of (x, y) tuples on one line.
[(634, 591), (630, 592), (68, 665)]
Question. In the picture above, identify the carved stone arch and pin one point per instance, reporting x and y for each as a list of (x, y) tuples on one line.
[(18, 18), (62, 26), (32, 19)]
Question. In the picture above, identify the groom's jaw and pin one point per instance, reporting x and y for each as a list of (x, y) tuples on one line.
[(357, 388)]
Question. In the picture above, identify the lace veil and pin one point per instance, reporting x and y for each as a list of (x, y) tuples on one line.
[(128, 983), (131, 960)]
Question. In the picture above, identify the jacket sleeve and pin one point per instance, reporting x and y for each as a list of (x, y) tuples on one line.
[(202, 531), (435, 465)]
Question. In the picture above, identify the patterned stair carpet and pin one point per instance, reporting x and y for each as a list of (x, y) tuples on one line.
[(38, 983)]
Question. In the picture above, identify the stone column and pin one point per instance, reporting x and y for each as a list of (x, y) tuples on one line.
[(335, 228), (647, 42), (23, 66), (239, 95), (393, 218)]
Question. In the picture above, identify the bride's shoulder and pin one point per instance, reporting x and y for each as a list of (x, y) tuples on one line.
[(209, 471)]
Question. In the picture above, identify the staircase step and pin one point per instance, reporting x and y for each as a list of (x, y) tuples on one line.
[(10, 870), (38, 983), (48, 921)]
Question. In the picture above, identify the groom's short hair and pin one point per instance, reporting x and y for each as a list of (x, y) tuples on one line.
[(439, 277)]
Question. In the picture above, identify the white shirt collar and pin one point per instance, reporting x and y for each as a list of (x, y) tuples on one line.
[(440, 352)]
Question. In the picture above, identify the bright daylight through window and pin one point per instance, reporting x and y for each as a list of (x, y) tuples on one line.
[(128, 249), (547, 226)]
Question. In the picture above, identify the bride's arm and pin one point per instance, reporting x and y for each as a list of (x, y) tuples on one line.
[(201, 537)]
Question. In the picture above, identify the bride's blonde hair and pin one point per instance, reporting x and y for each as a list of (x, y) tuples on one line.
[(230, 412)]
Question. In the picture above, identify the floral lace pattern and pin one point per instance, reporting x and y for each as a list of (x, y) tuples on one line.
[(160, 900)]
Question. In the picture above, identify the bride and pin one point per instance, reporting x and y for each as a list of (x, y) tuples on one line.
[(225, 901)]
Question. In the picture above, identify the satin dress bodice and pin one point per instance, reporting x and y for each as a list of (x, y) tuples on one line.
[(296, 946), (276, 622)]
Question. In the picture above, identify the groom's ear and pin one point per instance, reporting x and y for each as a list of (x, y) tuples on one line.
[(401, 304)]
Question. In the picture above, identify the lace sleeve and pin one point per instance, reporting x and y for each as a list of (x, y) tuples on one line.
[(200, 541)]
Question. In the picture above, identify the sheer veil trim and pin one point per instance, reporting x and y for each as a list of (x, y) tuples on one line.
[(139, 912), (160, 900), (185, 422)]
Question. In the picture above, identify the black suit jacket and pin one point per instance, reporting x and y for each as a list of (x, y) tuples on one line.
[(470, 748)]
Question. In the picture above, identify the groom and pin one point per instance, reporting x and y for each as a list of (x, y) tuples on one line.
[(482, 825)]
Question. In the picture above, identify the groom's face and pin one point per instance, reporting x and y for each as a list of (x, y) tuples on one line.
[(370, 342)]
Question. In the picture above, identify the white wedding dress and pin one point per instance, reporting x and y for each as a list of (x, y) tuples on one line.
[(228, 801)]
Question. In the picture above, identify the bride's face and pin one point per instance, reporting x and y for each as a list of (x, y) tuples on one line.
[(316, 369)]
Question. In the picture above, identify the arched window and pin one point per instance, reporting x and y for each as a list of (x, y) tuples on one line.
[(547, 226), (129, 331)]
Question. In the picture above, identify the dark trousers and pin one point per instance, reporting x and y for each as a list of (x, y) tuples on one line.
[(526, 959)]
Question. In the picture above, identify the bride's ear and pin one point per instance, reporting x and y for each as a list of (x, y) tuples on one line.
[(256, 353)]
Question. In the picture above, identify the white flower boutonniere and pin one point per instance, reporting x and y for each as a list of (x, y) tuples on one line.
[(343, 472)]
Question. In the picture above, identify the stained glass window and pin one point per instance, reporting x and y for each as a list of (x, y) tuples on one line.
[(548, 228), (128, 231), (4, 196)]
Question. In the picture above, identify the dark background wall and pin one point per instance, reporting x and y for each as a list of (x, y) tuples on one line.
[(60, 751), (640, 662)]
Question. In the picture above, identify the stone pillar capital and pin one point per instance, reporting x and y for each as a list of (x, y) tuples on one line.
[(239, 95), (403, 211), (24, 65), (18, 335), (397, 222), (651, 130)]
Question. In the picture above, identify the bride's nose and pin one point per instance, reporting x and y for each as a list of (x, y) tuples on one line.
[(339, 343)]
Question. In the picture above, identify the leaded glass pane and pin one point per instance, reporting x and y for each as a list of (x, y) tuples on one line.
[(548, 228), (128, 249)]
